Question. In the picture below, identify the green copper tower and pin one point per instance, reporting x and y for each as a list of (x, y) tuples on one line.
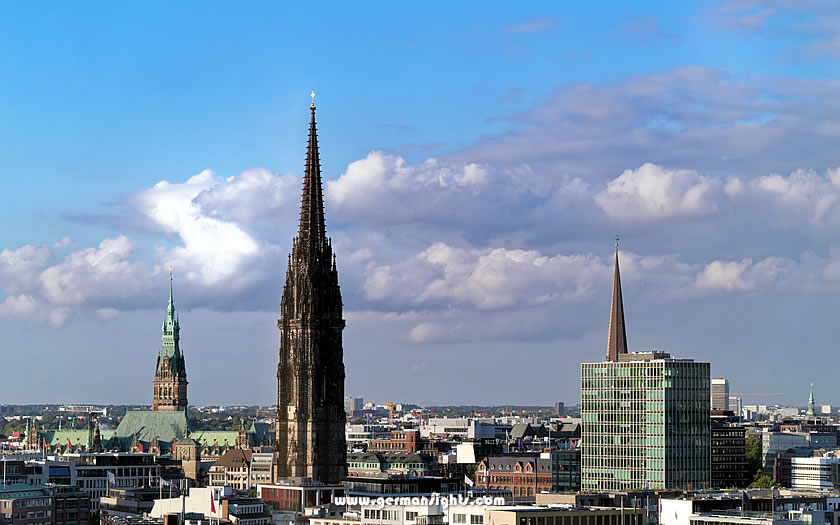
[(812, 412), (170, 382)]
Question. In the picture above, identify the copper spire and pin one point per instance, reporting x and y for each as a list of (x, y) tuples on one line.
[(617, 338), (312, 228)]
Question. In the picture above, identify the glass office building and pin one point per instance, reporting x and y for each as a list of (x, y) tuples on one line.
[(645, 423)]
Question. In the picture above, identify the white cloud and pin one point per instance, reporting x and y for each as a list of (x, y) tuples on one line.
[(385, 188), (250, 195), (103, 273), (654, 192), (20, 267), (803, 194), (213, 250), (18, 305)]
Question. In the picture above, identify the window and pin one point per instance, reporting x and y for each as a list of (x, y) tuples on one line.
[(476, 519), (459, 518)]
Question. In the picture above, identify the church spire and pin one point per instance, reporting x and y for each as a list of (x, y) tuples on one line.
[(617, 338), (812, 409), (312, 229)]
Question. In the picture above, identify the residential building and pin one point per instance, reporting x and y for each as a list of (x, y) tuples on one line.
[(645, 416), (720, 394), (310, 375), (242, 469)]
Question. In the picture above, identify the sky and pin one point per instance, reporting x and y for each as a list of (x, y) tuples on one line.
[(478, 162)]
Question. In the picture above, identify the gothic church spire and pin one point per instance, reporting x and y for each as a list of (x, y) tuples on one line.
[(617, 338), (312, 229)]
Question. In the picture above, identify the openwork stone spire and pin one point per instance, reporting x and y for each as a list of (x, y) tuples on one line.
[(310, 375), (617, 338), (312, 229)]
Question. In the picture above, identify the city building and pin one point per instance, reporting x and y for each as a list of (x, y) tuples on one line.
[(559, 409), (310, 375), (815, 473), (353, 404), (775, 443), (290, 502), (242, 469), (128, 502), (523, 476), (736, 405), (406, 441), (23, 504), (720, 394), (644, 416), (428, 514), (549, 515), (729, 467), (375, 486), (97, 473), (386, 463), (565, 469)]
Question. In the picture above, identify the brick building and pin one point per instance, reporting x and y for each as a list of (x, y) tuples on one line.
[(523, 476)]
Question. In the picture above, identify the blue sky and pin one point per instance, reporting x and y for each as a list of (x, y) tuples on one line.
[(478, 160)]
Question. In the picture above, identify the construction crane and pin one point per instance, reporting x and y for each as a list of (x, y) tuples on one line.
[(390, 412)]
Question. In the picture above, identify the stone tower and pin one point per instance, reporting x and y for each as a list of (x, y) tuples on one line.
[(171, 373), (310, 376), (617, 338)]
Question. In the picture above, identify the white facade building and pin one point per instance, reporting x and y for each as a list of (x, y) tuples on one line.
[(815, 473)]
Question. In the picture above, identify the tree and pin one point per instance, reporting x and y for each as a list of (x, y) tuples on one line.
[(762, 482), (754, 459), (470, 471)]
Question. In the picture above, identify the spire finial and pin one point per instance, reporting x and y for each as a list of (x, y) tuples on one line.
[(313, 99), (617, 335)]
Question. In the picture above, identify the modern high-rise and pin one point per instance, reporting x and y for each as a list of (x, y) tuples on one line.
[(720, 394), (645, 417), (170, 384), (310, 376)]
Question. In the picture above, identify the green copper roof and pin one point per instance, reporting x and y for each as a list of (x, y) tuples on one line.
[(148, 424), (171, 335), (213, 437), (60, 437), (811, 408)]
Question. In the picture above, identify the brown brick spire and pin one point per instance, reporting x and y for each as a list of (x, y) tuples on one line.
[(617, 338)]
